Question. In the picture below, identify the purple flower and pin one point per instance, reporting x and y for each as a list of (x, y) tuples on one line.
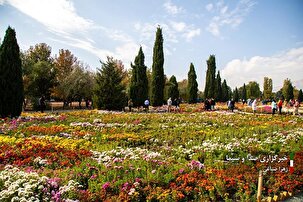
[(181, 170), (106, 185)]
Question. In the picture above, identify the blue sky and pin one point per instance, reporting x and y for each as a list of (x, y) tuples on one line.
[(251, 39)]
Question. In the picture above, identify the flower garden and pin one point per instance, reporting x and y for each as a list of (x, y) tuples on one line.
[(111, 156)]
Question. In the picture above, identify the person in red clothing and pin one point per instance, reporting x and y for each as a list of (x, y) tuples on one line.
[(280, 104)]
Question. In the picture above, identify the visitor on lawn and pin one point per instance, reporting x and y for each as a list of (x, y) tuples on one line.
[(146, 105), (130, 105), (169, 104), (273, 107), (296, 107), (280, 104), (42, 104), (254, 106)]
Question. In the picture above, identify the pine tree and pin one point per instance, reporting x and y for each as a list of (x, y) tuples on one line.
[(192, 85), (138, 91), (173, 91), (244, 93), (218, 91), (109, 90), (210, 85), (11, 84), (288, 90), (300, 95), (158, 82)]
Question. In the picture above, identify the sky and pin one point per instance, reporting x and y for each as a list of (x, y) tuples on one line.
[(251, 39)]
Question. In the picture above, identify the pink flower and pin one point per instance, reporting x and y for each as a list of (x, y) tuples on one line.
[(153, 171), (106, 185)]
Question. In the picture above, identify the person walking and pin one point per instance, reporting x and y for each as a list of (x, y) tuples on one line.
[(146, 105), (169, 104), (296, 107), (280, 104), (130, 105), (254, 106), (42, 103), (273, 107)]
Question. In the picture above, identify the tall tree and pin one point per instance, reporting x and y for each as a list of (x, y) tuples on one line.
[(267, 88), (11, 85), (300, 96), (182, 85), (253, 90), (236, 95), (244, 93), (225, 91), (218, 89), (138, 90), (192, 86), (109, 91), (173, 91), (288, 90), (210, 83), (38, 71), (64, 63), (157, 83)]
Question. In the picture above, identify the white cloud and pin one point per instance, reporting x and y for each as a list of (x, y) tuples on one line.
[(171, 8), (59, 16), (287, 64), (228, 17), (191, 33), (178, 26), (209, 7), (127, 52)]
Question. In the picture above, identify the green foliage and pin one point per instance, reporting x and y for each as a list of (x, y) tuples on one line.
[(243, 92), (138, 90), (173, 91), (192, 86), (253, 90), (210, 83), (225, 91), (267, 88), (182, 85), (11, 85), (109, 91), (158, 82), (288, 90), (236, 95), (42, 79), (39, 74), (300, 95), (218, 89)]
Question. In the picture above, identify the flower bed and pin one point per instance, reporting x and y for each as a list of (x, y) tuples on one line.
[(193, 155)]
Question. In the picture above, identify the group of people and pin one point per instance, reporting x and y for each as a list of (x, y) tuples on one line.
[(295, 104), (209, 104), (170, 103)]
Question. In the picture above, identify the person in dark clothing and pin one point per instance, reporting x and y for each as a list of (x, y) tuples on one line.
[(42, 104)]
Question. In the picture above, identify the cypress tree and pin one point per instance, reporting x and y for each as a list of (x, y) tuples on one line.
[(225, 91), (300, 95), (192, 85), (210, 85), (11, 83), (218, 91), (236, 95), (173, 91), (244, 93), (139, 82), (157, 83), (109, 90)]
